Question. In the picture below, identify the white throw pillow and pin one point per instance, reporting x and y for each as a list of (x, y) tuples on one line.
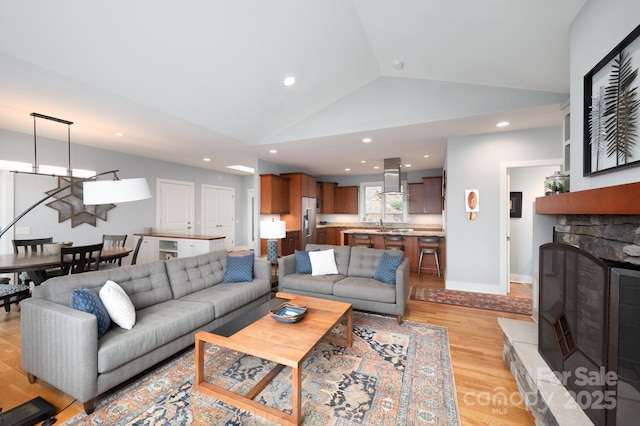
[(118, 304), (323, 262)]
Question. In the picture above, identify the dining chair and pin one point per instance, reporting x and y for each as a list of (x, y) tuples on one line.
[(78, 259), (29, 246), (113, 241), (134, 258)]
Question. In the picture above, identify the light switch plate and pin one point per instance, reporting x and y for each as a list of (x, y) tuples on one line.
[(23, 230)]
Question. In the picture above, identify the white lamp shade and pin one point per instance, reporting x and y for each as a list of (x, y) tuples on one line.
[(273, 230), (115, 191)]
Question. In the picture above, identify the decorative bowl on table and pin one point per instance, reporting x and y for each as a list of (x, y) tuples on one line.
[(288, 312), (54, 248)]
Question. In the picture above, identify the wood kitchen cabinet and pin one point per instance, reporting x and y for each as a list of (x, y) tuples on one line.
[(287, 245), (302, 184), (274, 194), (416, 198), (321, 236), (426, 197), (346, 200), (433, 194), (290, 243), (334, 235), (326, 196)]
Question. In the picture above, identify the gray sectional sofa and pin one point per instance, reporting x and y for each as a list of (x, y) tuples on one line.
[(354, 283), (173, 299)]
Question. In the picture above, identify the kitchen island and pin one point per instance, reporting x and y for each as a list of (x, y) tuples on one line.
[(410, 240)]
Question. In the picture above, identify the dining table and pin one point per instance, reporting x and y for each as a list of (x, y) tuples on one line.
[(37, 263)]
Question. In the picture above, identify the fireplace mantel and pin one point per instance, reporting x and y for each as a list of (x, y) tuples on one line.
[(617, 200)]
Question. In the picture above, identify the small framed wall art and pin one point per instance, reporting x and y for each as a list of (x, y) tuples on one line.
[(472, 203), (515, 204)]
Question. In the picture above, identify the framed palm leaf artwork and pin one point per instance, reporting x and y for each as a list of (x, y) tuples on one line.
[(612, 108)]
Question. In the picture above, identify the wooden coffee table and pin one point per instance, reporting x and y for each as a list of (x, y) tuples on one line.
[(286, 344)]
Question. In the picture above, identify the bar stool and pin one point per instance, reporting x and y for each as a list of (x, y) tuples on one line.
[(393, 242), (362, 240), (429, 245)]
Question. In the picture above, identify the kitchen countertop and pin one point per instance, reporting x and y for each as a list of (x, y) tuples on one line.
[(409, 232), (180, 236)]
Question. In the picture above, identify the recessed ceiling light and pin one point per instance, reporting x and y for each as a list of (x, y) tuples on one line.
[(289, 81), (273, 151), (502, 124), (363, 161), (407, 165), (366, 140), (206, 159), (241, 168), (119, 134), (376, 167), (426, 156), (347, 170)]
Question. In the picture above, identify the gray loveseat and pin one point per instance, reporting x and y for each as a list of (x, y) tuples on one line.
[(173, 299), (354, 282)]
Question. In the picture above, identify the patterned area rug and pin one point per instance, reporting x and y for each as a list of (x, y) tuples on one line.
[(492, 302), (392, 375)]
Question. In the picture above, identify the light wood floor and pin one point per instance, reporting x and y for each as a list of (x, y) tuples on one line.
[(475, 340)]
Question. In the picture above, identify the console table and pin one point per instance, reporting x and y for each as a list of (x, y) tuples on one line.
[(161, 246)]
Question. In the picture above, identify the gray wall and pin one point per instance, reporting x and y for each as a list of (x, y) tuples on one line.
[(125, 218), (598, 28), (474, 163)]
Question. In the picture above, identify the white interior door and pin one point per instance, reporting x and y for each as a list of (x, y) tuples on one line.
[(218, 213), (175, 206)]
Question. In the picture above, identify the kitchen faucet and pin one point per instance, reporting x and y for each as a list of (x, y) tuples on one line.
[(381, 225)]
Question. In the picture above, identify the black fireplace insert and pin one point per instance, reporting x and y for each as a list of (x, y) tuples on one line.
[(589, 330)]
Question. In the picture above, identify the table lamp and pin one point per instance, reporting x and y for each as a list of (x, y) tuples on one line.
[(273, 231)]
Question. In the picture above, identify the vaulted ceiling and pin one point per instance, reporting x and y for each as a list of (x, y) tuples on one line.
[(197, 78)]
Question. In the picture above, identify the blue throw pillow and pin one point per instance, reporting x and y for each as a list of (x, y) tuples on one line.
[(386, 271), (303, 263), (87, 300), (239, 269)]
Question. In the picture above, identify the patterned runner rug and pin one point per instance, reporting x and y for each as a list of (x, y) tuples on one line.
[(392, 375), (492, 302)]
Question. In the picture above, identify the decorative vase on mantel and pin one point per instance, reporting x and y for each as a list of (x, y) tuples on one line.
[(557, 183)]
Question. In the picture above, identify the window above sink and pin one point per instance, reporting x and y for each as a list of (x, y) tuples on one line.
[(376, 205)]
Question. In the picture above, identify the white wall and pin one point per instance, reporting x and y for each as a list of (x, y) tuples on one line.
[(473, 162), (125, 218), (529, 181), (596, 30)]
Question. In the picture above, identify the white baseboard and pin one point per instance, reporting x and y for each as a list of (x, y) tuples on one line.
[(522, 279)]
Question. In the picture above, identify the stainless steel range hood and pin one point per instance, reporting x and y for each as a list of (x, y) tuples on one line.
[(391, 177)]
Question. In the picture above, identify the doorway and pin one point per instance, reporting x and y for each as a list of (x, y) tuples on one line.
[(520, 237)]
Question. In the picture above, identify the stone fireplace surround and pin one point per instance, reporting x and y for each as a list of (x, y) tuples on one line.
[(604, 222)]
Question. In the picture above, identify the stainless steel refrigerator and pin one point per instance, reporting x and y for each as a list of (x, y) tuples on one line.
[(308, 225)]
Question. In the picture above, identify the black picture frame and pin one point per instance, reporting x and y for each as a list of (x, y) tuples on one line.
[(596, 159), (515, 204)]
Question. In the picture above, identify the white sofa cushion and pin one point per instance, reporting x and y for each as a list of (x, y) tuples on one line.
[(118, 305), (323, 262)]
